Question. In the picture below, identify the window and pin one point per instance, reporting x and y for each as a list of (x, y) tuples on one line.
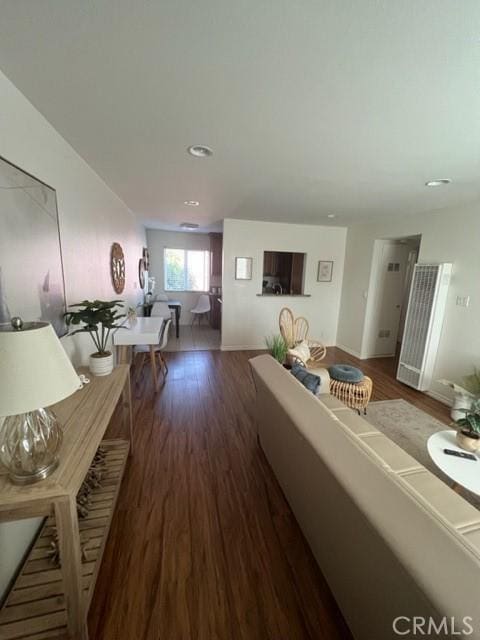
[(186, 270)]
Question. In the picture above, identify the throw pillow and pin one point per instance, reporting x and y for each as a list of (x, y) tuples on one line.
[(309, 380), (301, 351)]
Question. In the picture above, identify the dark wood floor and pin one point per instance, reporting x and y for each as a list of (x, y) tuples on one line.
[(203, 544)]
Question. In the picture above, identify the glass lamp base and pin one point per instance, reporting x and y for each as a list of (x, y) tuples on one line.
[(29, 444)]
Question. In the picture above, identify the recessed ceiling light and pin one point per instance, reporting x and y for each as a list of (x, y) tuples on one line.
[(331, 215), (189, 225), (438, 183), (192, 203), (200, 151)]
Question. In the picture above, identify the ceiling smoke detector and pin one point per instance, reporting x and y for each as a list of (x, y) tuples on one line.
[(200, 151), (438, 182), (189, 225), (192, 203)]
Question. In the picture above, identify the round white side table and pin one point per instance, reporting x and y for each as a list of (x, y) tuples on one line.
[(463, 472)]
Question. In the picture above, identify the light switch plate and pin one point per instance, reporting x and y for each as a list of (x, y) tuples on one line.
[(463, 301)]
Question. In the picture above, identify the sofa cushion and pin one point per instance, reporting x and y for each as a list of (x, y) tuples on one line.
[(473, 538), (439, 496), (389, 453), (357, 425), (333, 403)]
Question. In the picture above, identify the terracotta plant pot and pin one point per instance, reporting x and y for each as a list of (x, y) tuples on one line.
[(467, 440), (101, 364)]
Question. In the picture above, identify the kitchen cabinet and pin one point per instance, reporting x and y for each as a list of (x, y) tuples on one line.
[(215, 312), (296, 277), (216, 248), (283, 272), (270, 263)]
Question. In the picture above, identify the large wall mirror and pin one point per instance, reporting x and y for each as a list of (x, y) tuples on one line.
[(31, 270)]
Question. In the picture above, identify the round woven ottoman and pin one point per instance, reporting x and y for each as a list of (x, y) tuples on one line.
[(350, 386)]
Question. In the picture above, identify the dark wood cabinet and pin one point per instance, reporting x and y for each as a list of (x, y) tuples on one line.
[(215, 312), (216, 247), (286, 268), (270, 263), (296, 281)]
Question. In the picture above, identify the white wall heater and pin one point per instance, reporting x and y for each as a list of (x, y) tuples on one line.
[(423, 324)]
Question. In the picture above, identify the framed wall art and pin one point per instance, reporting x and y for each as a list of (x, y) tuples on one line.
[(325, 271), (243, 268), (31, 270)]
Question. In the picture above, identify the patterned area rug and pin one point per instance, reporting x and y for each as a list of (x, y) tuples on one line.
[(410, 428)]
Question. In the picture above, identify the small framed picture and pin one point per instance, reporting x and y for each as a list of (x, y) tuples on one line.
[(325, 271), (243, 268)]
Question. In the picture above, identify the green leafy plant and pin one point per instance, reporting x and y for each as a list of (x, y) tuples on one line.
[(277, 347), (99, 318), (471, 422)]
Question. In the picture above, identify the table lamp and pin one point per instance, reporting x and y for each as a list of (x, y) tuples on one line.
[(35, 372)]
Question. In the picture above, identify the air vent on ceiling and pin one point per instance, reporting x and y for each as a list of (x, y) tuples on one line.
[(189, 225)]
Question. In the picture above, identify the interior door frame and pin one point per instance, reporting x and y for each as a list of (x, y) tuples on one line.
[(378, 246)]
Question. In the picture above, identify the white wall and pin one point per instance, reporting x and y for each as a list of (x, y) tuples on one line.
[(447, 236), (157, 241), (248, 318), (91, 218)]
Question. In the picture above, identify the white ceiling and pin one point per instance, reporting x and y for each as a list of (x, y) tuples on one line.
[(311, 106)]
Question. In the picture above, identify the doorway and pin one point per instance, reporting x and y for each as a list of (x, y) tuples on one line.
[(391, 277)]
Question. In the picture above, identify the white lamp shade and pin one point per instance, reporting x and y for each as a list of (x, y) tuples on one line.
[(35, 371)]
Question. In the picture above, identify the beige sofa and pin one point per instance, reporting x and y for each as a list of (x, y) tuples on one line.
[(392, 540)]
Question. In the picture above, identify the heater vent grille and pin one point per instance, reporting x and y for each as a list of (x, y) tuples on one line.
[(423, 324)]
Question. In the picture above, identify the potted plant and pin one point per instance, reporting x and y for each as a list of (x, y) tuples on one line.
[(462, 398), (468, 433), (132, 315), (277, 348), (98, 318)]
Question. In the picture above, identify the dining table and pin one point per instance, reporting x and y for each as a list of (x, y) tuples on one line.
[(139, 331)]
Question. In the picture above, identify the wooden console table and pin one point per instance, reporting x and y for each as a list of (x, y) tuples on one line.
[(48, 601)]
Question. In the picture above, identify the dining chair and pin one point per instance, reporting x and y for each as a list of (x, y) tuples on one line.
[(144, 349), (202, 308), (161, 309)]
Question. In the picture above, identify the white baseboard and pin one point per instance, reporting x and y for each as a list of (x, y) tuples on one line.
[(440, 397), (239, 347), (349, 351), (375, 355), (253, 347)]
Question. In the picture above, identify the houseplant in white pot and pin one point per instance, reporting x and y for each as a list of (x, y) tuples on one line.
[(462, 398), (468, 433), (98, 318)]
